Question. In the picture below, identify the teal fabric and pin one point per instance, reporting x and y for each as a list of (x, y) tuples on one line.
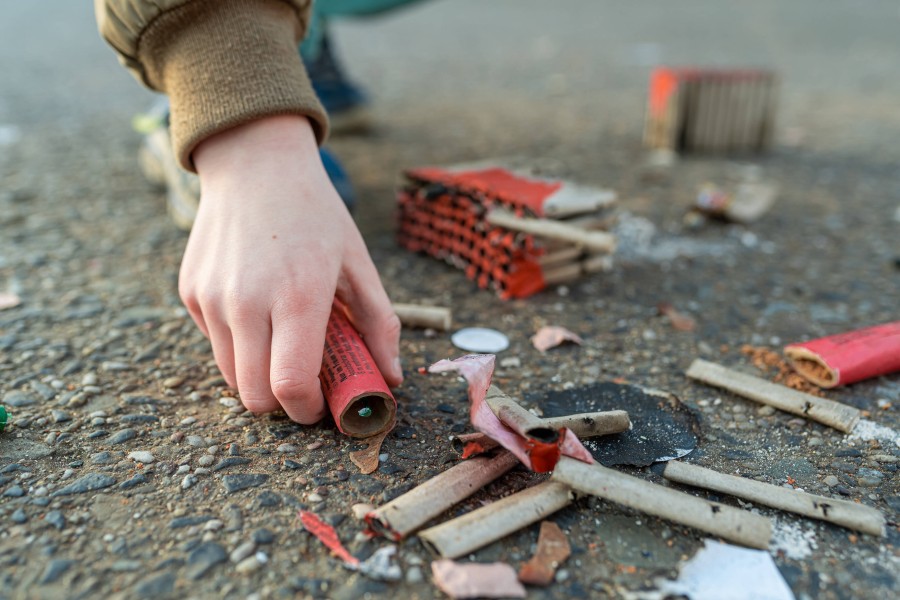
[(323, 10)]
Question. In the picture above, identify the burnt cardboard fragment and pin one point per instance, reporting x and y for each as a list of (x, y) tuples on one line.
[(663, 427)]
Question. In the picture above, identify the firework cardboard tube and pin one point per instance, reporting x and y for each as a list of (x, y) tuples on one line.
[(828, 412), (472, 444), (733, 524), (490, 523), (416, 315), (840, 512), (848, 357), (405, 514), (595, 241), (356, 393)]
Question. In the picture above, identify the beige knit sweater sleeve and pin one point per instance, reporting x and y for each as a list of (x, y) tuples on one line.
[(221, 62)]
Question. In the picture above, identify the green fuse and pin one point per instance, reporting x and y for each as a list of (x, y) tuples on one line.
[(2, 417), (365, 412)]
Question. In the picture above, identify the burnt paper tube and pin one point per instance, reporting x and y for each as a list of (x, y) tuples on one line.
[(840, 512), (403, 515), (356, 393), (586, 425), (828, 412), (482, 526), (730, 523)]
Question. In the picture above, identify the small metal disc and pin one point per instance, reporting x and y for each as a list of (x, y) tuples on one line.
[(480, 339)]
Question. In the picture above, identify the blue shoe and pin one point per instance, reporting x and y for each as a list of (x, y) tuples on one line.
[(346, 104), (339, 178)]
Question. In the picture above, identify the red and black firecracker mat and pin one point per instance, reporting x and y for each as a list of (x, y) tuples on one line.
[(442, 213)]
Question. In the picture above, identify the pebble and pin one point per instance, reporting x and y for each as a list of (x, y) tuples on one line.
[(88, 483), (97, 421), (235, 483), (195, 440), (248, 565), (201, 471), (67, 474), (90, 379), (213, 525), (314, 497), (19, 399), (188, 481), (229, 402), (230, 461), (55, 569), (182, 469), (141, 457), (869, 477), (815, 441), (203, 558), (160, 586), (206, 460), (102, 458), (242, 551), (414, 575), (122, 436), (114, 366), (177, 437), (173, 382), (286, 448), (188, 421), (263, 536), (133, 482), (15, 491), (18, 516), (831, 481), (55, 518), (189, 521), (214, 449)]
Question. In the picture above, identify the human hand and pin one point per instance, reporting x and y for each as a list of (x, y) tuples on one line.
[(272, 246)]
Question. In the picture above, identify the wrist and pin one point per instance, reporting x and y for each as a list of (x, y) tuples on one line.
[(256, 148)]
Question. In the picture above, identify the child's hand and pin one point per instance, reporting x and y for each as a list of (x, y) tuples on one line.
[(271, 247)]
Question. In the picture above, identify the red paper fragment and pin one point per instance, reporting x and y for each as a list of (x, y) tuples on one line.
[(679, 320), (848, 357), (552, 549), (478, 370), (476, 580), (328, 536), (551, 336), (9, 300)]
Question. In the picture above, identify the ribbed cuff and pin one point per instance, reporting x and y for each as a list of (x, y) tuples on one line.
[(226, 63)]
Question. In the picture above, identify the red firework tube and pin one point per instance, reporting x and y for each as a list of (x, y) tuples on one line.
[(356, 393), (848, 357)]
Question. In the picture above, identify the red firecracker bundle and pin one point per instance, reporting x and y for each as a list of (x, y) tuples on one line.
[(710, 110), (509, 231)]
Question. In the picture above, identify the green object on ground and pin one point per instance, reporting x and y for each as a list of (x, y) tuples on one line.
[(2, 418), (365, 412)]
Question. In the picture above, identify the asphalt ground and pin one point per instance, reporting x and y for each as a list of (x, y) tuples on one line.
[(101, 345)]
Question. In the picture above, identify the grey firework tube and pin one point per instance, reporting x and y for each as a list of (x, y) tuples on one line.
[(730, 523), (490, 523), (840, 512), (405, 514)]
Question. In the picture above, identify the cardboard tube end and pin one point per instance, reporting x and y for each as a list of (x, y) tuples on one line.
[(811, 367), (368, 414)]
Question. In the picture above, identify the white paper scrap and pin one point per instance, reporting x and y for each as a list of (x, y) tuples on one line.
[(725, 572)]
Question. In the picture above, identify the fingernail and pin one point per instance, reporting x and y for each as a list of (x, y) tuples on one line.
[(398, 368)]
